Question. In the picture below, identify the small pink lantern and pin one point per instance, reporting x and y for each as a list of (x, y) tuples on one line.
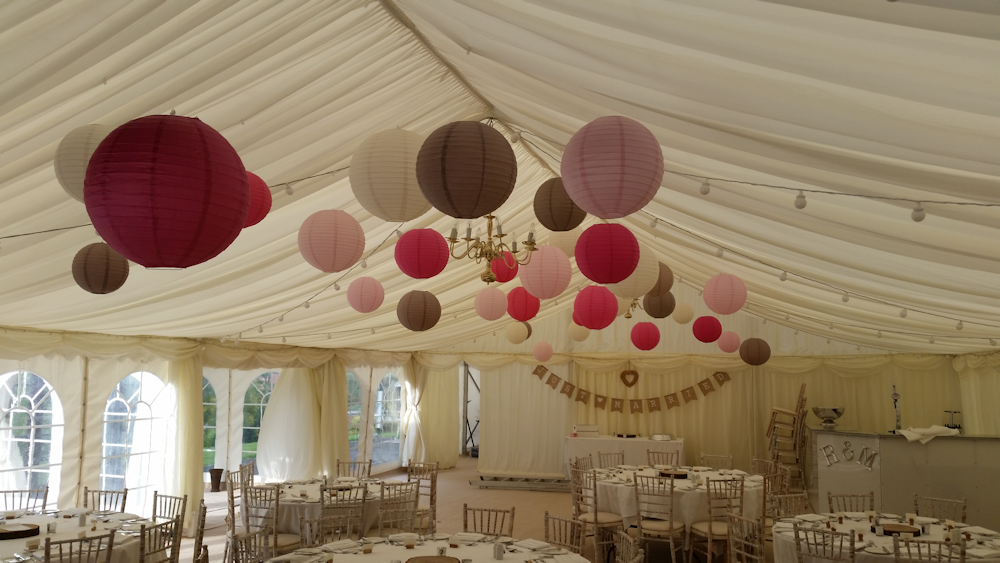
[(365, 295), (421, 253), (645, 336), (491, 303), (612, 167), (542, 351), (725, 294), (729, 342), (547, 274), (331, 240), (707, 329), (596, 307), (521, 305), (607, 253), (501, 267)]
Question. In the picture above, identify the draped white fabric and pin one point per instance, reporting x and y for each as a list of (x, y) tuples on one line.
[(430, 415), (980, 383), (288, 447)]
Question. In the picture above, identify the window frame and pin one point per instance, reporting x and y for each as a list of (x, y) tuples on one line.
[(270, 378), (56, 428)]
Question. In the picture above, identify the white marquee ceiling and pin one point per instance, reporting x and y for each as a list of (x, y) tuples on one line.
[(869, 98)]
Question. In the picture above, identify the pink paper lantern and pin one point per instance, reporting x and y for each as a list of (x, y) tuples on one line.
[(260, 200), (521, 305), (491, 303), (729, 342), (707, 329), (421, 253), (500, 267), (542, 351), (725, 294), (365, 295), (607, 253), (612, 167), (547, 274), (645, 336), (596, 307), (331, 240)]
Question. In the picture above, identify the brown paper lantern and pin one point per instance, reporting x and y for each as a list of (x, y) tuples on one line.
[(659, 306), (466, 169), (755, 351), (418, 310), (554, 209), (97, 268), (664, 282)]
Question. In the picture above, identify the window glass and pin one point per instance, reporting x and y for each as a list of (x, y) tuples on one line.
[(31, 433), (208, 409), (388, 410), (354, 406), (254, 404)]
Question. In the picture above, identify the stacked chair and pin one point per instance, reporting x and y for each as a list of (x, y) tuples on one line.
[(786, 433), (236, 484), (425, 475)]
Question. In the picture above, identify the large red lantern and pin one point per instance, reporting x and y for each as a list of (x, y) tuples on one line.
[(167, 191), (596, 307), (607, 253), (521, 305), (707, 329), (501, 267), (421, 253), (645, 336), (725, 294), (260, 200)]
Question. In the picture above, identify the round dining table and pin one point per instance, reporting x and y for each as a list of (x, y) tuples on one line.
[(125, 549), (301, 499)]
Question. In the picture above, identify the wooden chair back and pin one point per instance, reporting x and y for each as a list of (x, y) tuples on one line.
[(662, 458), (425, 475), (923, 551), (200, 550), (105, 501), (724, 496), (940, 508), (763, 466), (654, 498), (359, 469), (584, 463), (252, 547), (626, 547), (160, 542), (746, 539), (261, 508), (326, 529), (489, 521), (824, 544), (848, 502), (612, 459), (787, 505), (28, 499), (94, 549), (395, 520), (168, 507), (564, 533), (717, 461)]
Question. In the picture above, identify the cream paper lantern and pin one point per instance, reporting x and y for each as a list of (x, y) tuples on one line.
[(578, 333), (642, 279), (565, 240), (683, 313), (384, 175), (516, 333), (73, 154), (623, 305)]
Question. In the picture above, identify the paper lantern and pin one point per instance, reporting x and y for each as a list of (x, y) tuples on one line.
[(664, 281), (167, 191), (755, 351), (683, 313), (642, 279), (418, 310), (659, 306), (384, 175), (517, 333), (421, 253), (725, 294), (578, 333), (331, 240), (565, 241), (542, 351), (466, 169), (623, 305), (729, 342), (547, 274), (596, 307), (530, 330), (521, 305), (576, 319), (260, 200), (73, 154), (500, 267), (612, 167), (97, 268), (365, 295), (554, 209), (645, 336), (491, 303), (707, 329), (607, 253)]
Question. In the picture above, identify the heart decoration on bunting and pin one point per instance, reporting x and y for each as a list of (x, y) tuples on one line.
[(630, 377)]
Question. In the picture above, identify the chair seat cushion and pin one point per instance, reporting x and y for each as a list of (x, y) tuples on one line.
[(659, 528), (287, 540), (719, 529), (601, 517)]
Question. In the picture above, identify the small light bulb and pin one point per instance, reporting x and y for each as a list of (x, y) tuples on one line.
[(515, 137), (783, 276), (718, 252), (931, 340), (652, 223), (364, 263), (236, 341), (455, 316), (796, 332), (993, 342), (283, 340), (398, 234), (959, 326), (705, 188), (859, 347), (845, 297), (305, 305), (336, 287), (918, 214), (786, 316), (281, 319), (289, 190), (329, 336), (373, 331), (878, 334), (800, 200), (902, 313), (827, 340), (260, 330), (831, 326), (765, 321)]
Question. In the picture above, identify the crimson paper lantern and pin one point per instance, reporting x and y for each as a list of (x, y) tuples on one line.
[(607, 253), (612, 167), (664, 282), (466, 169), (500, 269), (729, 342), (659, 306), (554, 209), (97, 268), (331, 240), (491, 303), (645, 336), (167, 191), (596, 307), (547, 274), (542, 351), (755, 351), (260, 200), (366, 294), (421, 253), (576, 319), (707, 329), (521, 305), (725, 294), (418, 310)]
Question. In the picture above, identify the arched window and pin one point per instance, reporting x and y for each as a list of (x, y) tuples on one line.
[(208, 410), (254, 404), (388, 409), (354, 406), (31, 433), (136, 420)]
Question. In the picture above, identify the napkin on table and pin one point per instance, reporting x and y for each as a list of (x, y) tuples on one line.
[(570, 558), (338, 545), (982, 552), (927, 434), (467, 537), (531, 544)]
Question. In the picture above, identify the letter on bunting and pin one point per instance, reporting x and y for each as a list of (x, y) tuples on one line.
[(689, 395), (617, 405), (600, 401), (721, 377), (635, 406), (568, 389), (706, 386), (582, 396), (540, 371), (654, 404), (671, 401), (553, 380)]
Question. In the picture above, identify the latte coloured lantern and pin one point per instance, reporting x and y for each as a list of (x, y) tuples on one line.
[(683, 313), (73, 154), (554, 209), (607, 253), (664, 282), (97, 268), (755, 351), (418, 310), (578, 333), (517, 333), (642, 279)]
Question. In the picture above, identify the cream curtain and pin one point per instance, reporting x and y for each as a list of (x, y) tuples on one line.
[(289, 444), (182, 474), (334, 443), (980, 383), (430, 415)]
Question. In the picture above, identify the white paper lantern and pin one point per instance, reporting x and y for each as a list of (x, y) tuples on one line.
[(384, 175), (578, 333), (642, 279), (516, 333), (623, 305), (491, 303), (547, 274), (683, 313), (73, 155), (565, 240)]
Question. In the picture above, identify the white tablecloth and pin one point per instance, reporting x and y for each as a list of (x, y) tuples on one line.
[(690, 502), (294, 507), (384, 553), (634, 448), (784, 543), (126, 548)]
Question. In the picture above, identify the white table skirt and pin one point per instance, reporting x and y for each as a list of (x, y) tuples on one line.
[(294, 507), (478, 553), (634, 448), (125, 550)]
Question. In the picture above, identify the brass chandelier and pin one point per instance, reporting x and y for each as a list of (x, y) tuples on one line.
[(492, 247)]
